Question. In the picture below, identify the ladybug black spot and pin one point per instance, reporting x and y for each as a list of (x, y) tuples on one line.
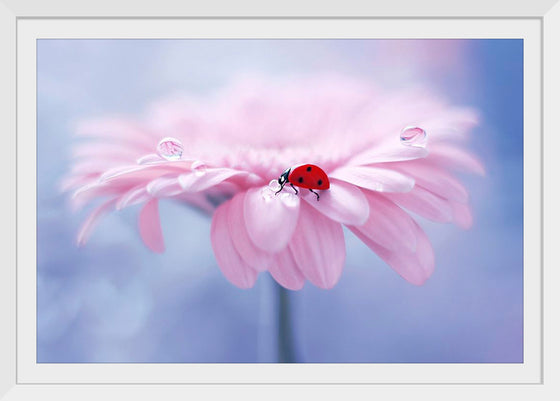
[(320, 182), (300, 179), (309, 168)]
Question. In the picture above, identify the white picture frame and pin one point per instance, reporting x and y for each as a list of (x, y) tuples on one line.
[(542, 383)]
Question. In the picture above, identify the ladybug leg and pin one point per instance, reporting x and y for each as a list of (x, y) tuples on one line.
[(280, 190), (292, 185), (314, 193)]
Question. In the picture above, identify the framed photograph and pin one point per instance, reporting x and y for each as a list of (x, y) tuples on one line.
[(232, 202)]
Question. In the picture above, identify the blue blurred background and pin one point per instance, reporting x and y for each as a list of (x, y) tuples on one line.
[(115, 301)]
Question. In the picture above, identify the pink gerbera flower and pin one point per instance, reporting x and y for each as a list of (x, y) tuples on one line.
[(386, 154)]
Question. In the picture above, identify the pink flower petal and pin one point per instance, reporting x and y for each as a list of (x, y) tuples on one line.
[(198, 200), (462, 215), (89, 224), (388, 225), (318, 247), (270, 220), (415, 267), (72, 181), (253, 256), (91, 191), (436, 180), (455, 158), (133, 197), (150, 158), (195, 182), (150, 226), (285, 271), (164, 187), (343, 202), (376, 179), (229, 260), (453, 123), (425, 204), (135, 174), (389, 151)]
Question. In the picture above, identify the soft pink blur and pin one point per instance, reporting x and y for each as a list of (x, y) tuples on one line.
[(237, 141)]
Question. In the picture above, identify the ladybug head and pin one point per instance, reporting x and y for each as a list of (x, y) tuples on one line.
[(283, 179)]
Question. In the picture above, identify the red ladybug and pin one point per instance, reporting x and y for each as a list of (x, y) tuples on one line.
[(307, 176)]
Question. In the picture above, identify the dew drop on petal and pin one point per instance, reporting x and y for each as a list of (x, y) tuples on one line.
[(289, 200), (414, 136), (199, 168), (170, 148), (267, 194), (274, 185)]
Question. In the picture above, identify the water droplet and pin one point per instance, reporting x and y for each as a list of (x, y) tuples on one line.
[(414, 136), (274, 185), (170, 148), (199, 168), (290, 200), (267, 194)]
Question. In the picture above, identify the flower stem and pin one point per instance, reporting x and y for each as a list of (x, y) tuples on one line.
[(286, 351)]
